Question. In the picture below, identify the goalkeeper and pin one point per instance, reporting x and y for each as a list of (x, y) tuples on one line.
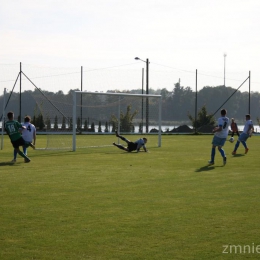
[(132, 146)]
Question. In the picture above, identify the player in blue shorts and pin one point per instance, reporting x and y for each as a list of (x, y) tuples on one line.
[(247, 132), (132, 146), (220, 137)]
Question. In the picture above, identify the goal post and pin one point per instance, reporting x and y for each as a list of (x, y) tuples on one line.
[(126, 113)]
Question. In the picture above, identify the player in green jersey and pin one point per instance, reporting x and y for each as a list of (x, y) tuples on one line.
[(13, 129)]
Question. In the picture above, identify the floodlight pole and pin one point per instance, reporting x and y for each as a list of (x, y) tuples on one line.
[(147, 92), (225, 55), (196, 101), (20, 106), (74, 121), (81, 85), (142, 124), (249, 93)]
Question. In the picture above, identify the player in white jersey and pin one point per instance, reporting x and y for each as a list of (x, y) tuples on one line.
[(131, 146), (247, 132), (220, 137), (28, 134)]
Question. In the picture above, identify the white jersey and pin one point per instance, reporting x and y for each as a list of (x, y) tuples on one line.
[(224, 123), (29, 132), (247, 126)]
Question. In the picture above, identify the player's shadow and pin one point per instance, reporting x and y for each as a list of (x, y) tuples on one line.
[(7, 164), (207, 168), (125, 152), (238, 155)]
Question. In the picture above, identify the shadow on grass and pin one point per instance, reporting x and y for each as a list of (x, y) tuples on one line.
[(238, 155), (207, 168), (8, 164), (126, 152)]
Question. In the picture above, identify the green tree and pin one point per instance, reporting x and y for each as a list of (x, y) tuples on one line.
[(56, 127), (203, 119), (39, 122), (106, 127), (63, 124), (86, 125), (126, 120), (92, 128), (99, 127)]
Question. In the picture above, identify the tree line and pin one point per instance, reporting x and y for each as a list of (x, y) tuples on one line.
[(178, 105)]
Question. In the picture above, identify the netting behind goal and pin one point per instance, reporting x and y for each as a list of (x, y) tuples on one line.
[(104, 113), (89, 119)]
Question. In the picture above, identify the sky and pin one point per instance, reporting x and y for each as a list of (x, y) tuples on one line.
[(54, 40)]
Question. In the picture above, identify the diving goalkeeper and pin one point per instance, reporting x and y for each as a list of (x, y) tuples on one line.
[(132, 146)]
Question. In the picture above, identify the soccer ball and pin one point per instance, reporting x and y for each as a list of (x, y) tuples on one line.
[(231, 140)]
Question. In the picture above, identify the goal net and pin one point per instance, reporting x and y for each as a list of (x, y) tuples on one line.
[(104, 113)]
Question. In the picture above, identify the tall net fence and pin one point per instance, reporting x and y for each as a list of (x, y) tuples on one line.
[(48, 91)]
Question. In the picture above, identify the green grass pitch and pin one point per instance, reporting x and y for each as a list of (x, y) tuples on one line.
[(104, 203)]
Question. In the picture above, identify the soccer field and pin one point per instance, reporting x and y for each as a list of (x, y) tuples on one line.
[(104, 203)]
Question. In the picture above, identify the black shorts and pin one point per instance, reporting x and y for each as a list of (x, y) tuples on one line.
[(19, 142), (131, 146)]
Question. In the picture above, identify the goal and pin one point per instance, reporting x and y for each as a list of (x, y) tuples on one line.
[(103, 113)]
